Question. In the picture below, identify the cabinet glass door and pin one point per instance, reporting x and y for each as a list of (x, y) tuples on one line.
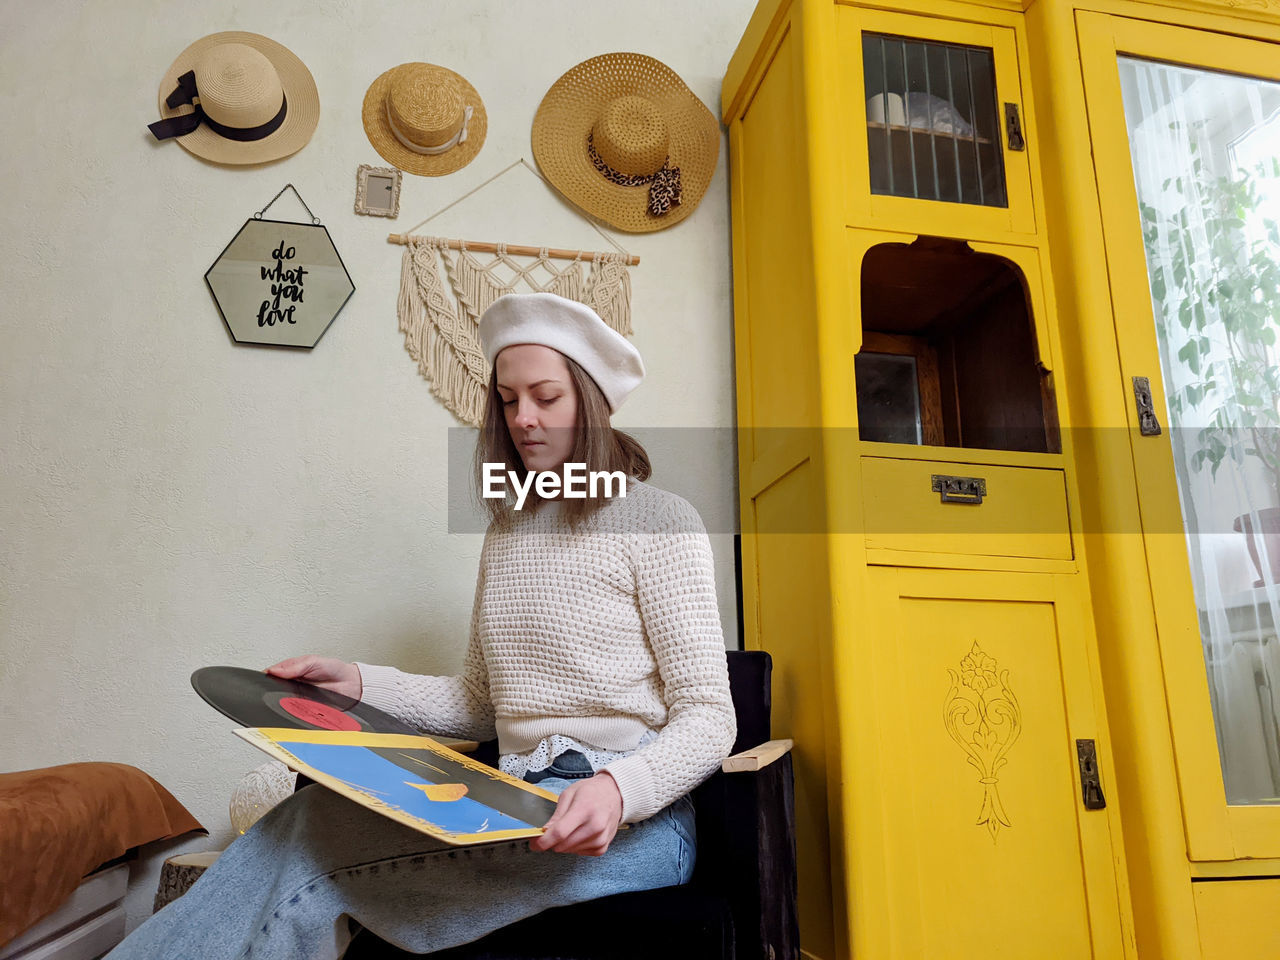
[(932, 131), (1204, 146), (939, 134), (1186, 131)]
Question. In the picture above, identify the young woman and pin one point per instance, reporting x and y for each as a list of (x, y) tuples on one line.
[(596, 658)]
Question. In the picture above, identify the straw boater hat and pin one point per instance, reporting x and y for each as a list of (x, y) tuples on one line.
[(425, 119), (622, 137), (256, 100)]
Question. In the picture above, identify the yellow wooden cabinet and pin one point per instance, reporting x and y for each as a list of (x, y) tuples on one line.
[(997, 598)]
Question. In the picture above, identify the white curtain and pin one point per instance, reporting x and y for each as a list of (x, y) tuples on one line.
[(1187, 129)]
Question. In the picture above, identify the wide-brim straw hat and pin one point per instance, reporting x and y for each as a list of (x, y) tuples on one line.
[(643, 123), (243, 81), (425, 119)]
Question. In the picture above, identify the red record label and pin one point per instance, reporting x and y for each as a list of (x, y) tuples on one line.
[(318, 714)]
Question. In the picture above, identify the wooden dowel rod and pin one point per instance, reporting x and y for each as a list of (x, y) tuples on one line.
[(518, 249)]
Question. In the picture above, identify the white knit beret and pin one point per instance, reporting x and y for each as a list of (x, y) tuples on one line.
[(571, 327)]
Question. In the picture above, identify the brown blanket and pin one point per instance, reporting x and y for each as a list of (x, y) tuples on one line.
[(59, 823)]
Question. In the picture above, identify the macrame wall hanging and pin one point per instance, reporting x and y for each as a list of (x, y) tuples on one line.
[(446, 284)]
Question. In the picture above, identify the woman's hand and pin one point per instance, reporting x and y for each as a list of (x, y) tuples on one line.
[(585, 820), (327, 672)]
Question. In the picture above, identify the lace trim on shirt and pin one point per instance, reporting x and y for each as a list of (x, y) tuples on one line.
[(542, 756)]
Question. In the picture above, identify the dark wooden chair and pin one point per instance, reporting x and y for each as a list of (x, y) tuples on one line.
[(741, 902)]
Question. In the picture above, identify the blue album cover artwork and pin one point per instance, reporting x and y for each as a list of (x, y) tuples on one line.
[(397, 785)]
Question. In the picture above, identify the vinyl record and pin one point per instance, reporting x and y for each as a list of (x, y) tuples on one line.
[(256, 699)]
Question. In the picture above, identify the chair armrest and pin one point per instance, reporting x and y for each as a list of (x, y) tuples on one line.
[(757, 758), (747, 852)]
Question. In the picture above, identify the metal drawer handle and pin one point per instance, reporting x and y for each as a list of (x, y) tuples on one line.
[(959, 489)]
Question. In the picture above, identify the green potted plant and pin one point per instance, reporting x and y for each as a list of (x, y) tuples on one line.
[(1223, 292)]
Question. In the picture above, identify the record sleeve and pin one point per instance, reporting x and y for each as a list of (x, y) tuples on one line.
[(415, 781)]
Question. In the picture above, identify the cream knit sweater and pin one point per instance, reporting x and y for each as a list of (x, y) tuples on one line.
[(597, 635)]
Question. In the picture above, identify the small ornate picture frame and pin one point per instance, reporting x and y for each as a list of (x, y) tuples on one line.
[(377, 191)]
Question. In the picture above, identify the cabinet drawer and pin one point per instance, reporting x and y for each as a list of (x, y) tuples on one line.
[(1023, 510)]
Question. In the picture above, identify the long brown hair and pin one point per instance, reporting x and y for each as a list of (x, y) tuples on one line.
[(596, 443)]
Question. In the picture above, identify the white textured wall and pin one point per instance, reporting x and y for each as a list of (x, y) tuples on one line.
[(170, 500)]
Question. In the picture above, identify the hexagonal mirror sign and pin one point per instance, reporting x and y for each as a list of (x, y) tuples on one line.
[(279, 282)]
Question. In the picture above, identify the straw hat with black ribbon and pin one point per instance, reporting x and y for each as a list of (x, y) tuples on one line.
[(425, 119), (624, 139), (238, 97)]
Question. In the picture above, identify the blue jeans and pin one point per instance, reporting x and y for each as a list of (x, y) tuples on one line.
[(287, 889)]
